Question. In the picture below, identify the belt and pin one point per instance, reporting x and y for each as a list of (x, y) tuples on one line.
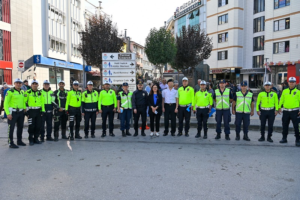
[(292, 109), (16, 110), (90, 110), (49, 111), (184, 106), (267, 108), (75, 108), (223, 109), (107, 106), (202, 107), (170, 104), (34, 108)]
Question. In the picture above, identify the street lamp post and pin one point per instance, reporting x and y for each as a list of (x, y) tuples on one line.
[(55, 75)]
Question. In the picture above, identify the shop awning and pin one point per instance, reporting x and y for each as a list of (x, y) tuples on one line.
[(271, 63), (253, 71)]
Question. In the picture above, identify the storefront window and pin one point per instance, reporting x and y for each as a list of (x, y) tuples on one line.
[(181, 22), (59, 75)]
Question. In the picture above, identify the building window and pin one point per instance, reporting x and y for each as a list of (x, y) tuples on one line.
[(281, 47), (223, 37), (282, 24), (1, 44), (223, 3), (259, 6), (281, 3), (194, 18), (223, 19), (258, 43), (222, 55), (181, 22), (258, 61), (59, 75), (259, 24), (0, 10)]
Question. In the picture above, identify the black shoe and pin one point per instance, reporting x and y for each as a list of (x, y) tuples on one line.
[(77, 136), (262, 138), (112, 134), (237, 137), (123, 134), (246, 138), (179, 134), (36, 141), (127, 133), (198, 135), (283, 141), (21, 143), (49, 139), (93, 136), (227, 137), (165, 134), (42, 140), (103, 135), (297, 143), (173, 134), (86, 136), (136, 133), (186, 135), (71, 138), (31, 143), (218, 136), (205, 135), (63, 134), (269, 139), (13, 146), (143, 134)]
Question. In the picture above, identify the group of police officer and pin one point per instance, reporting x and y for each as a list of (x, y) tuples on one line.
[(38, 106)]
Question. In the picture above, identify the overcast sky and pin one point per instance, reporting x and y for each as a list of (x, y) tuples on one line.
[(138, 16)]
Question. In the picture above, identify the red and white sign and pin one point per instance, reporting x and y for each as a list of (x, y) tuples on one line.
[(21, 65)]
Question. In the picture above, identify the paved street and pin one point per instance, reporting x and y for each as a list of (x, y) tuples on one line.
[(151, 168)]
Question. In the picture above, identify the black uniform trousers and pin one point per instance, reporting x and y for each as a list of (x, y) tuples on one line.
[(154, 118), (264, 116), (75, 116), (239, 118), (170, 112), (34, 123), (286, 117), (141, 111), (17, 117), (202, 117), (184, 114), (108, 111), (47, 118), (60, 118), (90, 116)]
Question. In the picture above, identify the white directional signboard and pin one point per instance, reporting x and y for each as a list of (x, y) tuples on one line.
[(118, 56), (120, 80), (119, 64), (132, 88), (119, 72)]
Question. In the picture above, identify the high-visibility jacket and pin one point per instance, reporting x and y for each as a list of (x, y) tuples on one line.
[(243, 103), (223, 100), (125, 100), (267, 100), (14, 99), (73, 99), (290, 99), (186, 95), (202, 100)]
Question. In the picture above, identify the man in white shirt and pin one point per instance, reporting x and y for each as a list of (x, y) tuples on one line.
[(163, 85), (170, 107)]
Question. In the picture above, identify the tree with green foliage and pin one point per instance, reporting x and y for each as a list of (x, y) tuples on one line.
[(160, 47), (100, 36), (193, 46)]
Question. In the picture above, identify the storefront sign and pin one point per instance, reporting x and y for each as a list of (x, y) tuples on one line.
[(253, 71), (38, 59), (187, 7)]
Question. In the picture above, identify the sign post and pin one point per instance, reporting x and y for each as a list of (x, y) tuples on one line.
[(21, 66), (119, 68)]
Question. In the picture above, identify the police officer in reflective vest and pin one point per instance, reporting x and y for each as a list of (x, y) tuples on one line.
[(243, 107), (125, 109), (73, 105), (107, 105), (267, 109), (60, 115), (202, 104), (223, 98), (90, 109), (139, 105), (186, 101), (48, 115), (35, 111), (14, 107), (290, 103)]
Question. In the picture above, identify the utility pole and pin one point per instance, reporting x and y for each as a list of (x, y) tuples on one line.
[(266, 79)]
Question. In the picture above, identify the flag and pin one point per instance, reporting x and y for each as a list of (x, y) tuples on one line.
[(268, 67)]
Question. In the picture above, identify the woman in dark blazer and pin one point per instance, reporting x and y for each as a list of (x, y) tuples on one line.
[(155, 108)]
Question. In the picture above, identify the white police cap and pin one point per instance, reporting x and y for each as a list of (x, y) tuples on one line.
[(292, 79), (89, 83), (267, 83), (203, 83), (106, 82), (75, 83), (61, 81), (46, 82), (17, 80), (185, 79), (34, 81)]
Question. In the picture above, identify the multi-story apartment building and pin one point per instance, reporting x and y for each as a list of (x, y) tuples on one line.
[(6, 64)]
